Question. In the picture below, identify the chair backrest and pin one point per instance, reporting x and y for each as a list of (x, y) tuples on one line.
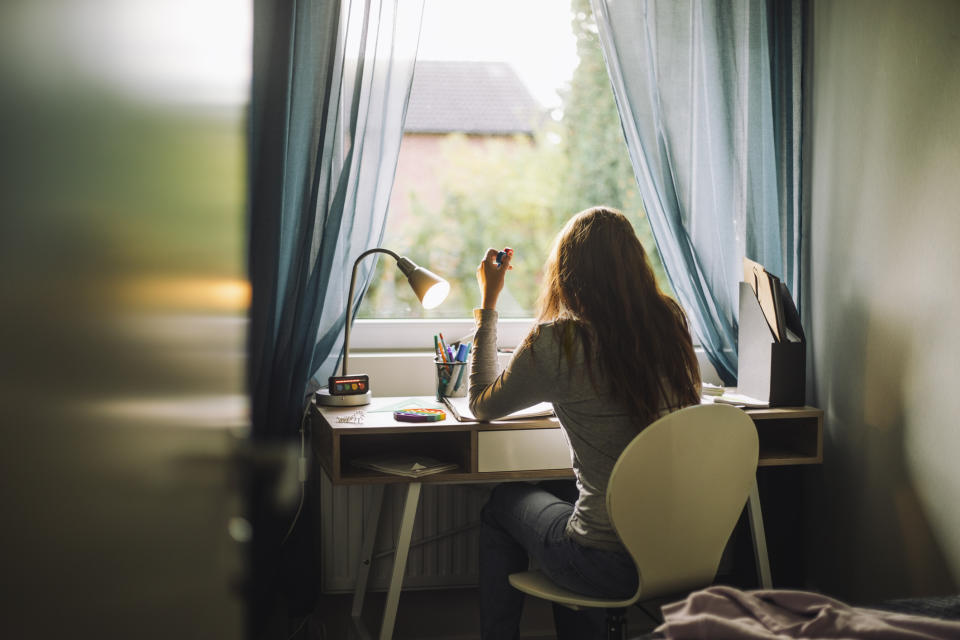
[(676, 492)]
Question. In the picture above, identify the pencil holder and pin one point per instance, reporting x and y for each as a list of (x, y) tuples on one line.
[(451, 379)]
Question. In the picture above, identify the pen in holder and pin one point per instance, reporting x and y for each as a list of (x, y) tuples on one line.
[(451, 379)]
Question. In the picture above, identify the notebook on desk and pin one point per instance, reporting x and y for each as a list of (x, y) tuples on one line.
[(460, 408), (737, 400)]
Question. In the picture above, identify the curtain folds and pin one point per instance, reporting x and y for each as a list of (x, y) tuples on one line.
[(331, 82), (709, 99)]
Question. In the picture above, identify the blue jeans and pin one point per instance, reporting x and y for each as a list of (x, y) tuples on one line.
[(523, 522)]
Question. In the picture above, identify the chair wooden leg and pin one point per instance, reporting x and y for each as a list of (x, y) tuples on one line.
[(759, 538), (616, 624)]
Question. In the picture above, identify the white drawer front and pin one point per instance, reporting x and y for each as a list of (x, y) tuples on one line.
[(522, 450)]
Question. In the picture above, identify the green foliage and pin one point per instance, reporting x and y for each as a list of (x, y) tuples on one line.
[(495, 194), (600, 171), (518, 192), (599, 162)]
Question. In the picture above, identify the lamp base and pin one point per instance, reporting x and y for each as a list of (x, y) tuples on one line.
[(323, 397)]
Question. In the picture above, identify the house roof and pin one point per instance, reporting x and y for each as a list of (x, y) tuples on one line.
[(470, 97)]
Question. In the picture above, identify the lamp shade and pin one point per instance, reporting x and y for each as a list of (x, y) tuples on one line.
[(430, 288)]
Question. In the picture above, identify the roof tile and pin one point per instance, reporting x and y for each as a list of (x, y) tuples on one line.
[(470, 97)]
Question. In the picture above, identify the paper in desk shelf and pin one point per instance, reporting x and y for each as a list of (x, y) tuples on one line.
[(411, 466)]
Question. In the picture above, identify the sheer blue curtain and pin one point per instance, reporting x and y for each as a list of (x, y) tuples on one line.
[(331, 80), (331, 83), (709, 99)]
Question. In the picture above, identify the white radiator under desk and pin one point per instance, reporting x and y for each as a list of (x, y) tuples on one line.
[(448, 560)]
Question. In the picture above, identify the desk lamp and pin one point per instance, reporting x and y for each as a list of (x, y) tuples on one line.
[(431, 290)]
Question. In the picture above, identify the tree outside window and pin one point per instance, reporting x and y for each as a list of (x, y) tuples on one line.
[(485, 190)]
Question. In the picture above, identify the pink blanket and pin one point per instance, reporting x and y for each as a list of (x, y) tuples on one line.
[(726, 612)]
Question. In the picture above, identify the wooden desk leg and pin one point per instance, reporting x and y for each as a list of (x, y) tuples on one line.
[(370, 526), (759, 538), (400, 560)]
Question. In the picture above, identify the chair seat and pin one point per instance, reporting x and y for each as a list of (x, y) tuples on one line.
[(537, 584)]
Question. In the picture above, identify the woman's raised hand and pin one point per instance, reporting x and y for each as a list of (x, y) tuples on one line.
[(490, 276)]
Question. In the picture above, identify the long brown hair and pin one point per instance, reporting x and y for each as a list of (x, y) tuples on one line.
[(598, 278)]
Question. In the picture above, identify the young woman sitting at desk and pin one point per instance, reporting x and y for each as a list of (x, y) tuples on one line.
[(612, 353)]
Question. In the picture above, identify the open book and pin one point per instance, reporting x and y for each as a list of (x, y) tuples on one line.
[(460, 408)]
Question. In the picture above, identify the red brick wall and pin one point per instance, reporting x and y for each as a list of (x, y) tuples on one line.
[(418, 169)]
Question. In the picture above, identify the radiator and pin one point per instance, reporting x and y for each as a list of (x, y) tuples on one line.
[(444, 548)]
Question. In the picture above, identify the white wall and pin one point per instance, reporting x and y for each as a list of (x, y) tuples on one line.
[(882, 301)]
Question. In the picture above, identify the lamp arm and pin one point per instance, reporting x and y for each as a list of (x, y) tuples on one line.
[(353, 282)]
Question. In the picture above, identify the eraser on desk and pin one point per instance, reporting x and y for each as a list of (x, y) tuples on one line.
[(419, 415)]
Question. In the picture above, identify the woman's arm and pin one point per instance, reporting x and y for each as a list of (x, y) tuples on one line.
[(484, 366), (524, 382)]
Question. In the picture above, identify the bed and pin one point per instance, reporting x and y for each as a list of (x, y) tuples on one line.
[(721, 612)]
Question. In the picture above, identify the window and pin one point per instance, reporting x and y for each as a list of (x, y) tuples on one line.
[(507, 136)]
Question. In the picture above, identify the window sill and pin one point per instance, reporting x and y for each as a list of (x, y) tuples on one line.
[(391, 335), (411, 373)]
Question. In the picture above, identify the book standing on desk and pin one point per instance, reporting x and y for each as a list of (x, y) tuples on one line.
[(766, 288)]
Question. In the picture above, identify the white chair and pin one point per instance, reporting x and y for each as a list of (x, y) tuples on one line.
[(674, 497)]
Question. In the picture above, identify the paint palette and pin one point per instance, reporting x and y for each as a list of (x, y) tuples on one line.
[(419, 415)]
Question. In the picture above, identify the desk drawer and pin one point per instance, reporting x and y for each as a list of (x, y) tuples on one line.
[(522, 450)]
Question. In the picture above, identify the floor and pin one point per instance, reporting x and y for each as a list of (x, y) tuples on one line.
[(449, 614)]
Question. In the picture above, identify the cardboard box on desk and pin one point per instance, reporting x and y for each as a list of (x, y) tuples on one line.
[(769, 369)]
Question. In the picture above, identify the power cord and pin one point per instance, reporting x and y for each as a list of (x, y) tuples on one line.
[(299, 627), (301, 471)]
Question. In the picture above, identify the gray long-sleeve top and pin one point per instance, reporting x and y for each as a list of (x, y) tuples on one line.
[(597, 427)]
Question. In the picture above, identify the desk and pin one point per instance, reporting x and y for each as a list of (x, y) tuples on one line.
[(502, 451)]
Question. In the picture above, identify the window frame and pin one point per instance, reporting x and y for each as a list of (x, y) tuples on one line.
[(416, 334), (385, 339)]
